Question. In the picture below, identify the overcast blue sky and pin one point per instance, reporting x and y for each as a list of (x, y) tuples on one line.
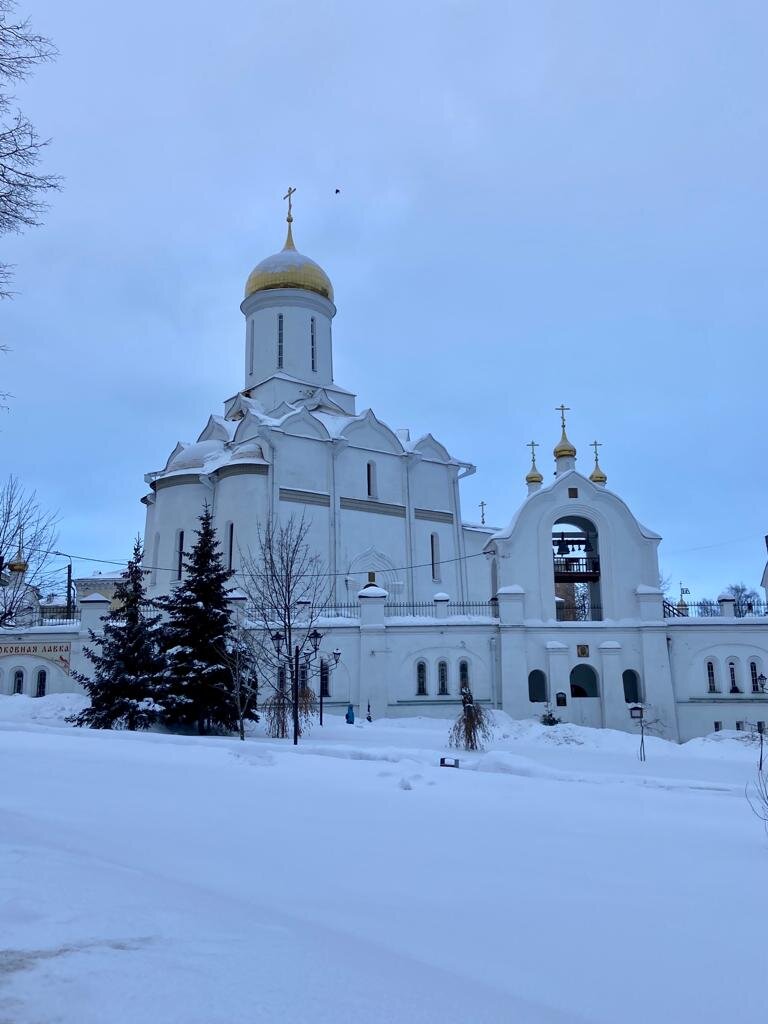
[(540, 203)]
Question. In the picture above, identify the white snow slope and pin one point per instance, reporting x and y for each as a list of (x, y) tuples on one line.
[(551, 880)]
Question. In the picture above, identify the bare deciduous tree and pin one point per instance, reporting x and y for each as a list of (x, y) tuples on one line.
[(22, 187), (26, 531), (287, 587), (757, 796), (240, 659)]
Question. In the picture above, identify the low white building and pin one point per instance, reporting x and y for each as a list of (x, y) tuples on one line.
[(562, 607)]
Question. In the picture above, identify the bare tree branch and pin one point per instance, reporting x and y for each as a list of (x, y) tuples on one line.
[(288, 590), (22, 188), (29, 531)]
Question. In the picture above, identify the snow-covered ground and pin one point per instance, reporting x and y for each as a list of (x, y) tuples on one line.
[(552, 879)]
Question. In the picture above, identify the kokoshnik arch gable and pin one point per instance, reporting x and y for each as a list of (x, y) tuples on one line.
[(562, 606)]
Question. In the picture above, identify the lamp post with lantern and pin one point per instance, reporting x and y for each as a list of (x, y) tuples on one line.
[(637, 714), (291, 659)]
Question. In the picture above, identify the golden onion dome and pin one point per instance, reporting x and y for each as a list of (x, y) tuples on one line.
[(534, 476), (564, 449), (289, 269), (597, 476)]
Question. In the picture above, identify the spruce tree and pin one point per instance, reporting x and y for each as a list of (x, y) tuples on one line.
[(125, 659), (197, 687)]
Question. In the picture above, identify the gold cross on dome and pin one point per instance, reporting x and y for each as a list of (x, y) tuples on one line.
[(562, 409), (533, 445), (289, 195), (596, 445)]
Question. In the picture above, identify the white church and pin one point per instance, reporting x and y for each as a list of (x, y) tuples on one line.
[(561, 608)]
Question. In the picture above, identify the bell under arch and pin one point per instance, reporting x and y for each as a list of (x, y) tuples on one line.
[(576, 568)]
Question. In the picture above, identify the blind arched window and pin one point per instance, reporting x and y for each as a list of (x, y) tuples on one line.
[(463, 673), (42, 678), (537, 687), (18, 681), (313, 343), (434, 542), (753, 675), (279, 341), (370, 479)]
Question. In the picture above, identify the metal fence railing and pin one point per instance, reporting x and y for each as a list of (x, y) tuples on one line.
[(713, 609)]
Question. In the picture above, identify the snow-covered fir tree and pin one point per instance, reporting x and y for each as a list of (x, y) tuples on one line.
[(125, 659), (197, 687)]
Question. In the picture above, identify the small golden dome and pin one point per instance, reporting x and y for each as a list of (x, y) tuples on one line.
[(534, 476), (564, 449), (289, 269), (597, 476)]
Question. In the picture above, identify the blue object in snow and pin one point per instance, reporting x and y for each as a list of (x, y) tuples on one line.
[(350, 715)]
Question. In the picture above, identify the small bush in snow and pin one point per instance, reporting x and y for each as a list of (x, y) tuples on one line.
[(549, 717), (472, 729)]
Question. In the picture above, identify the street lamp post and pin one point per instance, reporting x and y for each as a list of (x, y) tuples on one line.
[(69, 582), (637, 714), (314, 638)]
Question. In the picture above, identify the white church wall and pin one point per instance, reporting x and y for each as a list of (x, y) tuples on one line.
[(432, 486), (694, 643), (388, 474), (178, 504), (242, 497), (302, 463)]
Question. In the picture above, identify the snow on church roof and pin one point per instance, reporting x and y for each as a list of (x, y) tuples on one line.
[(221, 442)]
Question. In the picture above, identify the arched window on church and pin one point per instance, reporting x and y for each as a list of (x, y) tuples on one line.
[(754, 676), (279, 341), (42, 679), (155, 556), (584, 681), (421, 679), (370, 479), (18, 681), (179, 554), (312, 343), (230, 545), (442, 678), (434, 544), (631, 681), (734, 687), (281, 679), (537, 687), (251, 345), (463, 673), (711, 677)]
